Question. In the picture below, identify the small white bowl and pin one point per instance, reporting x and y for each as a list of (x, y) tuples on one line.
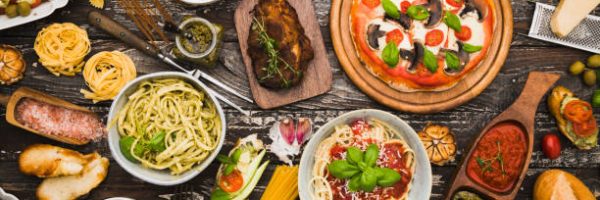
[(158, 177), (422, 179)]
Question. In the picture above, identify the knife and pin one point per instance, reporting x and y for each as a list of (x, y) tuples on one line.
[(119, 31)]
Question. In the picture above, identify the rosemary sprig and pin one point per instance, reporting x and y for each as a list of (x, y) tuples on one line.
[(270, 47)]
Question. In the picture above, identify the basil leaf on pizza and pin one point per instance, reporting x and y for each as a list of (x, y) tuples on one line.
[(452, 61), (452, 21), (390, 9), (417, 12), (390, 54), (471, 48), (430, 61)]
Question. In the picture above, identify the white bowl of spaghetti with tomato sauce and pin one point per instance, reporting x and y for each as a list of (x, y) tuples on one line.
[(365, 154)]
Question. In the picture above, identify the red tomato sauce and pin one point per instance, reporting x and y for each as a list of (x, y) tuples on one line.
[(498, 158), (390, 156)]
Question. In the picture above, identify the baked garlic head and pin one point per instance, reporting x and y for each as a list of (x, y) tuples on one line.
[(12, 65), (439, 143)]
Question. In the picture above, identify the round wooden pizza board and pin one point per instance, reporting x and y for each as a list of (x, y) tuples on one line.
[(422, 101)]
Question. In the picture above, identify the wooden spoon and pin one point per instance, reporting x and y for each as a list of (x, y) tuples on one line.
[(11, 103), (521, 113)]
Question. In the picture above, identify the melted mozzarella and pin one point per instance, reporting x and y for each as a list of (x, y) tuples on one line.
[(477, 33), (387, 27), (420, 31)]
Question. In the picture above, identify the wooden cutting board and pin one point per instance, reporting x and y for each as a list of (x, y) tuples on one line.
[(317, 78), (422, 101)]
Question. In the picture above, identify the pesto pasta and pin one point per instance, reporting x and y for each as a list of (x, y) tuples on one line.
[(168, 124)]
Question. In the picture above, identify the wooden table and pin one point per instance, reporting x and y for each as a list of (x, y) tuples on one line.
[(525, 55)]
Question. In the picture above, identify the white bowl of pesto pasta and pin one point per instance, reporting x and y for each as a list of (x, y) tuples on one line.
[(399, 149), (164, 128)]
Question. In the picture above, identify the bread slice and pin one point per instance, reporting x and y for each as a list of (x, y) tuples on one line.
[(72, 187), (569, 13), (43, 160)]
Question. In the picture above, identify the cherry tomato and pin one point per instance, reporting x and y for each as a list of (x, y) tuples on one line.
[(371, 3), (36, 3), (578, 111), (359, 126), (395, 36), (551, 146), (455, 3), (404, 6), (464, 34), (232, 182), (434, 37), (585, 129)]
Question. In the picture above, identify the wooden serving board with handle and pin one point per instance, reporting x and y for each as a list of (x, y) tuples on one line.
[(521, 112), (24, 92), (317, 78)]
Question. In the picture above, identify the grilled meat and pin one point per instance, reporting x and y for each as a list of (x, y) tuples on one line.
[(279, 49)]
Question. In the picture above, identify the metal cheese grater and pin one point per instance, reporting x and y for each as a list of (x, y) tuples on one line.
[(585, 36)]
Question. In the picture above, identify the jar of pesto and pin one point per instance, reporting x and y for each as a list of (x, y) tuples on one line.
[(204, 46)]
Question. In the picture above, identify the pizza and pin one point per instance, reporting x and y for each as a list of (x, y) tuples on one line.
[(421, 45)]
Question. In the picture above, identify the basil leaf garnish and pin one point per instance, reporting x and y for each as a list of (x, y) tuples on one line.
[(389, 177), (452, 61), (452, 21), (354, 155), (229, 169), (125, 146), (354, 184), (430, 61), (471, 48), (368, 180), (157, 143), (371, 155), (390, 54), (390, 9), (417, 12), (342, 169)]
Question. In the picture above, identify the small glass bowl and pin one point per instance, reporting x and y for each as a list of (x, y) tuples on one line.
[(213, 43)]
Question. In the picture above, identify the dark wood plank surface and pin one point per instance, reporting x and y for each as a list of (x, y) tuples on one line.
[(525, 55)]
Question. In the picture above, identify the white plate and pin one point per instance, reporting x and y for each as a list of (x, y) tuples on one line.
[(422, 179), (7, 196), (159, 177), (198, 2), (45, 9)]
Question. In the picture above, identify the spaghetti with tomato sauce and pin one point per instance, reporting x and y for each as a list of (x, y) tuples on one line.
[(498, 158), (394, 154)]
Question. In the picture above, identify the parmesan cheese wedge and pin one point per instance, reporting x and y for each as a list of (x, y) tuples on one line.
[(569, 13)]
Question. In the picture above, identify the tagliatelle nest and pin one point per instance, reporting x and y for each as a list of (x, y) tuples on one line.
[(439, 143), (97, 3)]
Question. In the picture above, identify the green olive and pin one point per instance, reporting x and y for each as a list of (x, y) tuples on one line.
[(24, 9), (593, 61), (577, 68), (589, 77), (11, 11)]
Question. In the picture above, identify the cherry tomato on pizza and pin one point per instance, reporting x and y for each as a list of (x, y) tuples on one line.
[(395, 36), (455, 3), (464, 34), (434, 37), (404, 6), (371, 3)]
